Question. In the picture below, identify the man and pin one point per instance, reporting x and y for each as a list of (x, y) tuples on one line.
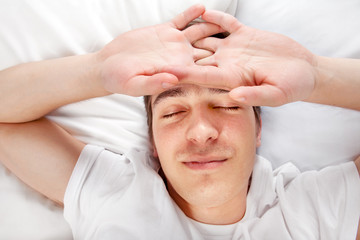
[(196, 132), (205, 140)]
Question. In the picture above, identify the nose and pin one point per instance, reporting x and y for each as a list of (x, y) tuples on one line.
[(202, 130)]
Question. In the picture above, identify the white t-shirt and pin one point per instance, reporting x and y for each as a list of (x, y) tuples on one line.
[(112, 196)]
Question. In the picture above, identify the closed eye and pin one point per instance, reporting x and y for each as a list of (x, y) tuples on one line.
[(169, 115), (233, 108)]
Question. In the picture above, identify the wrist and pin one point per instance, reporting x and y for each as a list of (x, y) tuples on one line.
[(92, 76), (321, 76), (337, 82)]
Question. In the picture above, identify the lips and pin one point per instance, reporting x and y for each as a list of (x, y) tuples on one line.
[(204, 163)]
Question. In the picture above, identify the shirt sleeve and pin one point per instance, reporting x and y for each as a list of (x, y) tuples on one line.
[(97, 174), (322, 204)]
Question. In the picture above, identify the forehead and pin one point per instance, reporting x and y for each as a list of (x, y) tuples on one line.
[(184, 91)]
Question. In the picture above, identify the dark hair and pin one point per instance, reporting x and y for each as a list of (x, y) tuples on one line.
[(149, 114)]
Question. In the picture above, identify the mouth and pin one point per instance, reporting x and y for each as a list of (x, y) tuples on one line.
[(204, 164)]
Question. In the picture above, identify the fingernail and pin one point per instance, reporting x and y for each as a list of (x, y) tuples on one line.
[(240, 100), (167, 85), (237, 96)]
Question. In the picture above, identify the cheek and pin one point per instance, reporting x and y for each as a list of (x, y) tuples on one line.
[(166, 143), (165, 139), (237, 126), (241, 132)]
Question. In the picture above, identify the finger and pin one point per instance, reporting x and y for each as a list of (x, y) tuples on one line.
[(201, 30), (208, 61), (210, 44), (148, 85), (184, 18), (201, 53), (264, 95), (207, 76), (225, 21)]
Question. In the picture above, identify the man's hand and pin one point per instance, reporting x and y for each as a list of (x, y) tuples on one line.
[(261, 68), (134, 62), (275, 64), (268, 69)]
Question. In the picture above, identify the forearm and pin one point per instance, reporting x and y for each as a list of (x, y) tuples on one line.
[(41, 154), (337, 82), (31, 90)]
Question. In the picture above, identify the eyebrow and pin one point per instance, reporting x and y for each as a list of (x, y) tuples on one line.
[(174, 92), (218, 90), (180, 92)]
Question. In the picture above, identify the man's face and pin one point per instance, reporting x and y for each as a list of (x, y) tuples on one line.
[(206, 144)]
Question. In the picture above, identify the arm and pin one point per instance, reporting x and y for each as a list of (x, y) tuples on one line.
[(31, 90), (41, 154), (131, 64), (337, 82), (357, 163), (264, 68)]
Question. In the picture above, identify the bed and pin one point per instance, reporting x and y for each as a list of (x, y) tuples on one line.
[(310, 135)]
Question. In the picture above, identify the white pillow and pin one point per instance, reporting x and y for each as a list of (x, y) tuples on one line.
[(310, 135), (36, 30)]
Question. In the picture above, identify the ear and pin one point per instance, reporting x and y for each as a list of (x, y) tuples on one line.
[(258, 133)]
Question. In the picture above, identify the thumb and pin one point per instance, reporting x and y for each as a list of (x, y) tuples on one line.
[(206, 76), (263, 95), (148, 85)]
